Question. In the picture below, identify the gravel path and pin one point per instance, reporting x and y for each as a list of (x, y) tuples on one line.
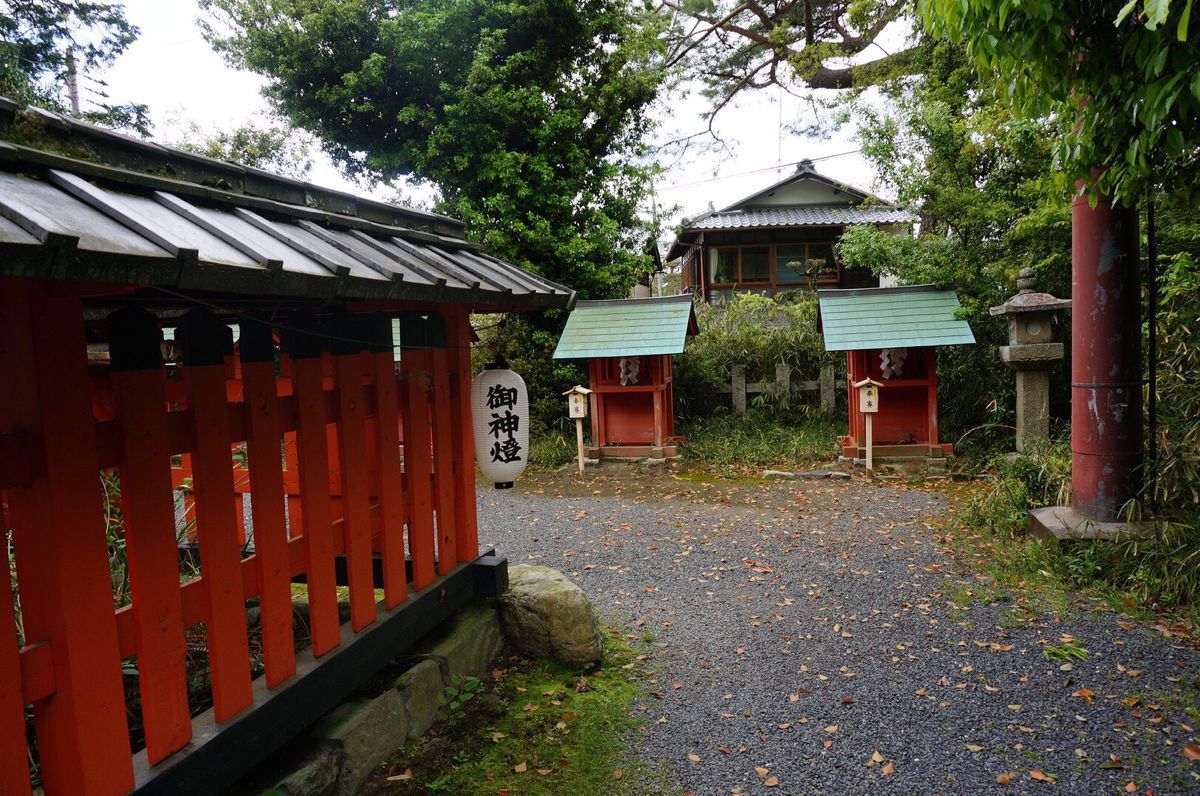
[(814, 637)]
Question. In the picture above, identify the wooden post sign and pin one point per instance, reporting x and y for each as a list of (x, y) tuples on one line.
[(868, 404), (577, 409)]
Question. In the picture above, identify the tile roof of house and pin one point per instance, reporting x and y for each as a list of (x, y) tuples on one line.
[(627, 327), (100, 215), (891, 317), (800, 216)]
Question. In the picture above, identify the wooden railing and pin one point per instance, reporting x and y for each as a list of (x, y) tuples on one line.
[(327, 478)]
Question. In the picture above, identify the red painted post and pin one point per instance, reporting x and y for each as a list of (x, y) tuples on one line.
[(386, 428), (58, 535), (302, 342), (466, 523), (418, 464), (1106, 387), (140, 393), (256, 349), (443, 468), (206, 342), (348, 362)]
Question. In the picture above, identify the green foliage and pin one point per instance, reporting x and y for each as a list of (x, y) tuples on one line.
[(1067, 651), (1122, 78), (452, 702), (762, 438), (1156, 572), (821, 44), (529, 116), (42, 42), (580, 733), (1177, 483), (528, 350), (753, 331), (278, 148), (983, 184)]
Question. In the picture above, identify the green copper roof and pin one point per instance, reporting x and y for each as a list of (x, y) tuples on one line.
[(891, 317), (627, 328)]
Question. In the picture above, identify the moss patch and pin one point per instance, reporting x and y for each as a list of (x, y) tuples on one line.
[(536, 727)]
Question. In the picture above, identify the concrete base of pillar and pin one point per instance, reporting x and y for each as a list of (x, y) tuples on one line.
[(1064, 523)]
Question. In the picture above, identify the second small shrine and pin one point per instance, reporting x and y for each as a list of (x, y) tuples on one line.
[(891, 336), (628, 345)]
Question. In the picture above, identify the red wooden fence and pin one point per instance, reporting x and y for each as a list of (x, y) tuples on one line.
[(326, 472)]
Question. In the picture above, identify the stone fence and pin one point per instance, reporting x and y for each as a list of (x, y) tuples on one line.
[(783, 384)]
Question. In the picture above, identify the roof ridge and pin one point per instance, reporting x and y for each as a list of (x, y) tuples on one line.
[(43, 130)]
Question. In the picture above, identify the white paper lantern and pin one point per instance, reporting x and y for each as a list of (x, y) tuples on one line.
[(500, 412)]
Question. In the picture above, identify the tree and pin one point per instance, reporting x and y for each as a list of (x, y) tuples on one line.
[(529, 116), (278, 148), (983, 184), (1123, 77), (740, 45), (47, 44)]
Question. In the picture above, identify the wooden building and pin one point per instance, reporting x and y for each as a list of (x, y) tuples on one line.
[(628, 344), (357, 449), (891, 335), (780, 239)]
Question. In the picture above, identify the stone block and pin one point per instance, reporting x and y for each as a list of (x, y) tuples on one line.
[(470, 646), (366, 732), (316, 775), (546, 615), (1063, 523), (419, 689)]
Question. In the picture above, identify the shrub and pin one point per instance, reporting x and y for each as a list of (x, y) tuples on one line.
[(753, 331)]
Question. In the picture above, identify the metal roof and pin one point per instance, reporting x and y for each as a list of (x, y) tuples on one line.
[(627, 327), (72, 219), (891, 317), (803, 216)]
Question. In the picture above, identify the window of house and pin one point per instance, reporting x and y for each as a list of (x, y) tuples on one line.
[(771, 268), (756, 264)]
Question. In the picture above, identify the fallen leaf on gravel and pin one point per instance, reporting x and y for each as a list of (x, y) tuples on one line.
[(1113, 762), (1014, 707), (1131, 787), (695, 758), (1041, 776), (1085, 693), (762, 772), (974, 748), (888, 770), (407, 775), (1191, 752), (520, 768), (827, 744), (831, 729), (1004, 779), (771, 782)]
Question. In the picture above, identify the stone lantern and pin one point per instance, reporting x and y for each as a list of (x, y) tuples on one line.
[(1031, 352)]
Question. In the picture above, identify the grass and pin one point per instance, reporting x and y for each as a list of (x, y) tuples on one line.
[(1145, 577), (762, 438), (545, 729)]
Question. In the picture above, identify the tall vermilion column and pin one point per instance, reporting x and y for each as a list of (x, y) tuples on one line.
[(1106, 386)]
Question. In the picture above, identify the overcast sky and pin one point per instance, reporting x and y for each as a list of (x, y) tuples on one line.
[(173, 70)]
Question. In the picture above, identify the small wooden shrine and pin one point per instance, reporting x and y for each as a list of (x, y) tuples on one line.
[(628, 344), (891, 335)]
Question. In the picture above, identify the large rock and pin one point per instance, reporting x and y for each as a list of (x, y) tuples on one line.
[(547, 616)]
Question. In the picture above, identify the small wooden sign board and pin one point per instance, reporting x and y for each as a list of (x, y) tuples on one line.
[(577, 410), (868, 404)]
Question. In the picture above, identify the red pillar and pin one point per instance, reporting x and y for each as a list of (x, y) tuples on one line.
[(1106, 387)]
